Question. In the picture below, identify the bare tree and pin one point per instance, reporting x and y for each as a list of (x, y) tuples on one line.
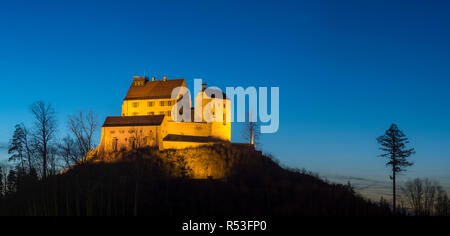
[(53, 160), (429, 197), (442, 207), (44, 131), (393, 144), (251, 131), (425, 196), (83, 127), (28, 145), (413, 191), (69, 152)]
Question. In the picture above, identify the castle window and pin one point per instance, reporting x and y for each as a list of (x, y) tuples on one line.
[(135, 104), (162, 103), (135, 114), (151, 104), (169, 113), (139, 83), (114, 144), (161, 113), (169, 103), (151, 113)]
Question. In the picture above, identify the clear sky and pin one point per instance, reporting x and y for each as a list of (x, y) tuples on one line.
[(346, 69)]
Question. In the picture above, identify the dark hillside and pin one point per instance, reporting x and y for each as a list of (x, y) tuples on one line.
[(176, 183)]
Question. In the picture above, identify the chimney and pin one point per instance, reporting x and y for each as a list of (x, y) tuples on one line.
[(153, 78), (203, 86), (165, 78)]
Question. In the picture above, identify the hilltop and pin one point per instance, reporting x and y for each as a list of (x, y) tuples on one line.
[(219, 180)]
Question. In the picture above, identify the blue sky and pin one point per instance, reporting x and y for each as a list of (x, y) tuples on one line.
[(346, 69)]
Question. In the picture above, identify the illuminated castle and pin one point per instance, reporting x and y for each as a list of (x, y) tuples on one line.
[(148, 118)]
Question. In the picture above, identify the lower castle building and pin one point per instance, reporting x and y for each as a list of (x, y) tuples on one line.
[(147, 119)]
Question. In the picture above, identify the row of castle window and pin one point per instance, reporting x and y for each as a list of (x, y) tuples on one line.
[(168, 113), (152, 104), (131, 131), (132, 142)]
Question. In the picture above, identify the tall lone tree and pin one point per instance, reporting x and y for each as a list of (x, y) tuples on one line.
[(393, 144), (44, 131)]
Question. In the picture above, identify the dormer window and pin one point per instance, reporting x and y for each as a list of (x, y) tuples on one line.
[(139, 81)]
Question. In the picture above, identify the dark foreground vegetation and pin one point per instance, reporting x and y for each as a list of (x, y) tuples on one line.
[(149, 182)]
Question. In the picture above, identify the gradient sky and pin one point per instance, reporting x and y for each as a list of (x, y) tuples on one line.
[(346, 69)]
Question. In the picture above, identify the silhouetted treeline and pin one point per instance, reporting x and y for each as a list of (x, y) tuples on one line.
[(36, 148), (149, 182), (426, 197)]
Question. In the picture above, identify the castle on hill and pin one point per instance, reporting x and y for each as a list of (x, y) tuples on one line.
[(149, 118)]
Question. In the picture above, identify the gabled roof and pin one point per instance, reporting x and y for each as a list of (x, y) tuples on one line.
[(154, 89), (120, 121)]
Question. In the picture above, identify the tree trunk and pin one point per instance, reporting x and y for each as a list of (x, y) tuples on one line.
[(394, 204), (44, 160), (22, 164), (44, 154)]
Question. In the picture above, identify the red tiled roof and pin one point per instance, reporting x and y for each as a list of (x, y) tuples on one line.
[(154, 89), (118, 121)]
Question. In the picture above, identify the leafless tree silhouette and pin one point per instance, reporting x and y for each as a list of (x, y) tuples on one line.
[(83, 127), (69, 152), (426, 197), (251, 131), (44, 131)]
